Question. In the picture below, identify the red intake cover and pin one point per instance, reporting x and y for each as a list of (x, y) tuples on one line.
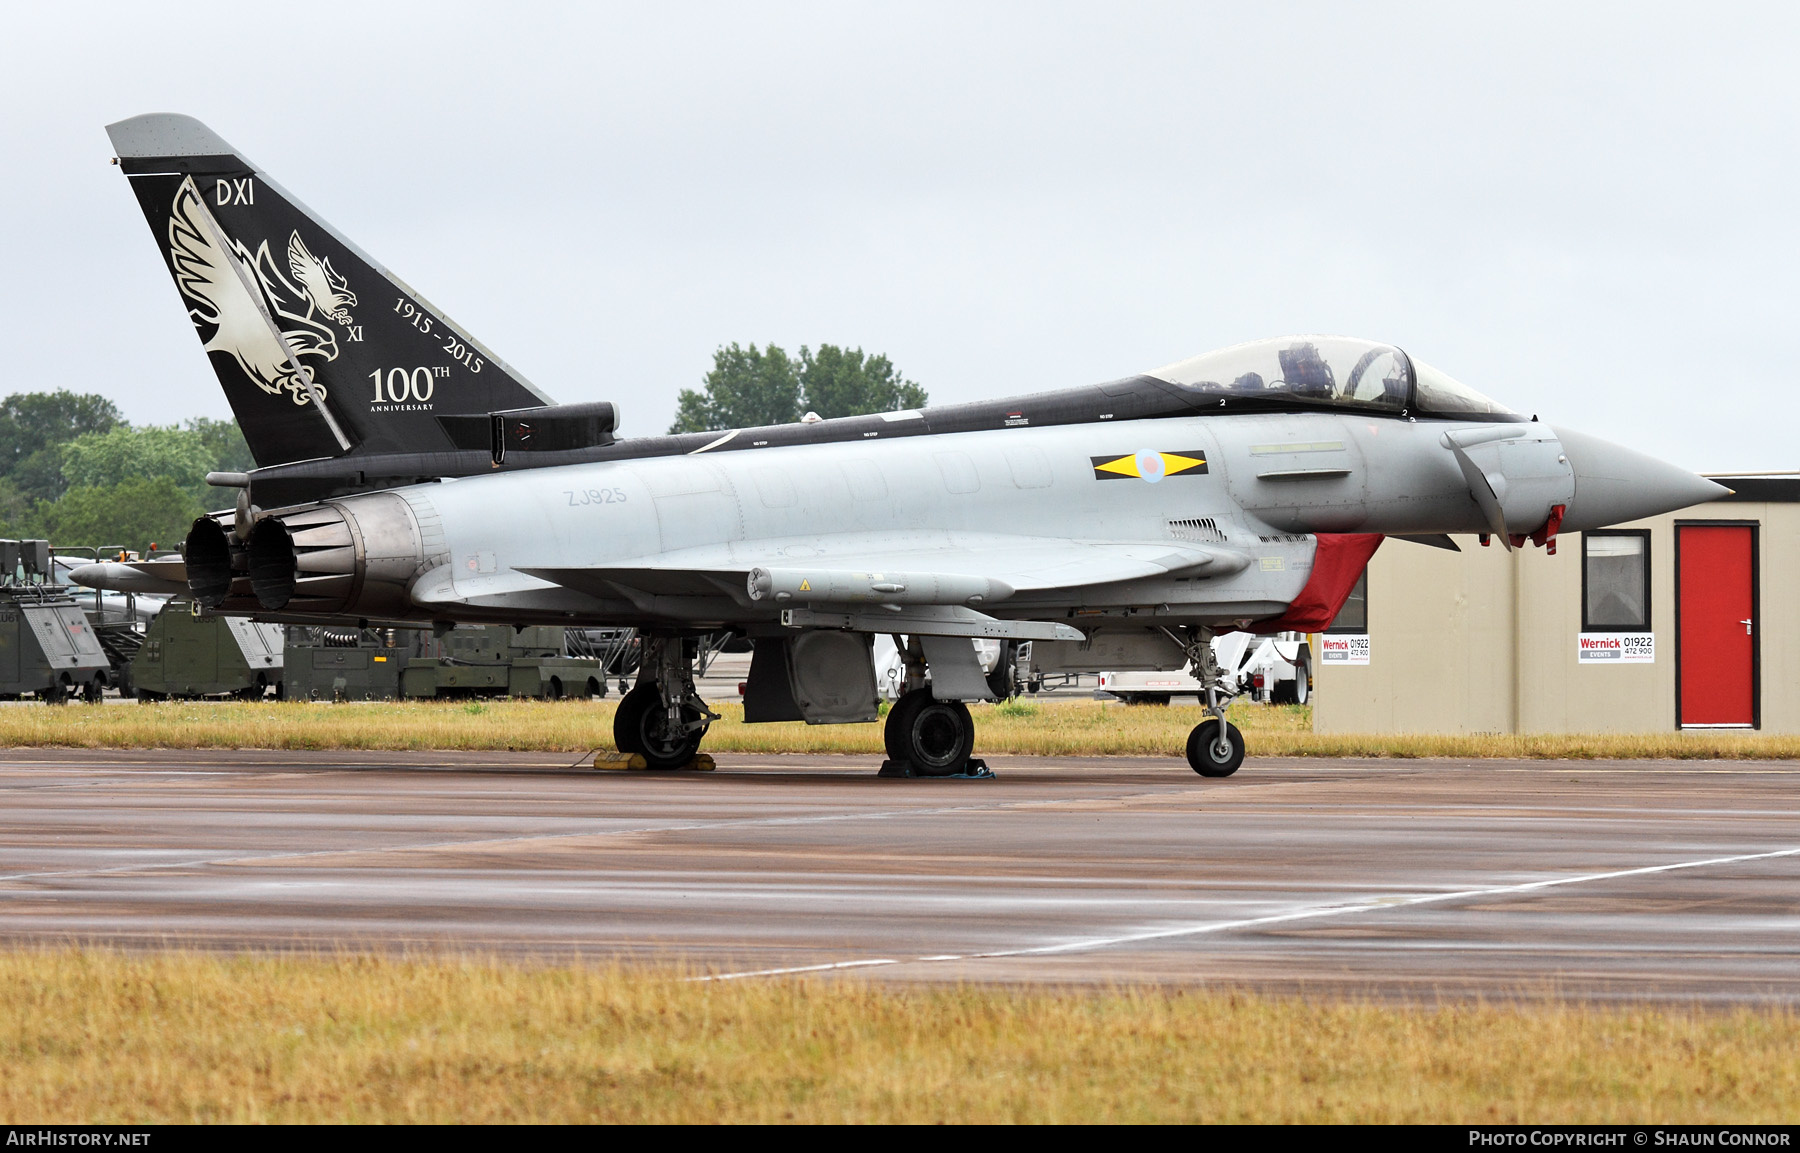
[(1341, 558)]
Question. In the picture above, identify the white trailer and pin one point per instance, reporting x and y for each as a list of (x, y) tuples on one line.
[(1273, 670)]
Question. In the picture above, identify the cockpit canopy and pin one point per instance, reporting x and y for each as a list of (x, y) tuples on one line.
[(1326, 371)]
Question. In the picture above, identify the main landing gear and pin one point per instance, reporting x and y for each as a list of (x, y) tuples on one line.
[(927, 737), (1215, 748), (663, 719)]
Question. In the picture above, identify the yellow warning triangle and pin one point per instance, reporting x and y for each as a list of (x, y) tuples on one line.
[(805, 585)]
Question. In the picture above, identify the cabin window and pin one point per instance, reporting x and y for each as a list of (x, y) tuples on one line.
[(1615, 581)]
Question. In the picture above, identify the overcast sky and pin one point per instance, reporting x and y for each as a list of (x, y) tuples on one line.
[(1585, 211)]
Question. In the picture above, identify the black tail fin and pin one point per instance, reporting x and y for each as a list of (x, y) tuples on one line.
[(321, 351)]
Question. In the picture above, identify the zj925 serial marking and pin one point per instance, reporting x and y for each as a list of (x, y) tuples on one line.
[(579, 497)]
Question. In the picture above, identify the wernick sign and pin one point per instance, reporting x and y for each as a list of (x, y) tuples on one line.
[(1615, 648), (1345, 648)]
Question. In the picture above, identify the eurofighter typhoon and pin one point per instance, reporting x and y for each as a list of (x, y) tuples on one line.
[(406, 475)]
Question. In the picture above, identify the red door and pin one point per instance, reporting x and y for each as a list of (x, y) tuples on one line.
[(1716, 624)]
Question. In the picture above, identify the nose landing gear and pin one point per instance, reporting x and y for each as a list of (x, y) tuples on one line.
[(1213, 755), (1215, 748)]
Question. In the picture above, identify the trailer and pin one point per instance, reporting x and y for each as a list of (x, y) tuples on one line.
[(190, 656), (1273, 670), (120, 619), (48, 648)]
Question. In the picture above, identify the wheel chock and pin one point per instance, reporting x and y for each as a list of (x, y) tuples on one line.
[(702, 763), (975, 769), (620, 762)]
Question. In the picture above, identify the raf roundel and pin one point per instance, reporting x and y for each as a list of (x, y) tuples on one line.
[(1149, 466)]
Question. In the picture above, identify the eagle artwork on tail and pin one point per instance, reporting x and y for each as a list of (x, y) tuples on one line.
[(325, 289), (221, 300)]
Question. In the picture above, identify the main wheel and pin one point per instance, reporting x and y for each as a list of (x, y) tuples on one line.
[(1205, 754), (935, 736), (893, 735), (642, 726)]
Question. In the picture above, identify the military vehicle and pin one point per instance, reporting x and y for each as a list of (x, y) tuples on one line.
[(346, 664), (406, 474), (48, 648), (187, 656), (496, 660), (120, 619), (473, 660)]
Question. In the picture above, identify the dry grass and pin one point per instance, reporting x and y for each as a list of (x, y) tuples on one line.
[(95, 1036), (1049, 729)]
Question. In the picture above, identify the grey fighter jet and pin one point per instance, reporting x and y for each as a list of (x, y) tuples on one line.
[(407, 475)]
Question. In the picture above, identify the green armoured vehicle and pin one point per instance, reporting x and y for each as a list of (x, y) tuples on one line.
[(186, 656), (47, 644)]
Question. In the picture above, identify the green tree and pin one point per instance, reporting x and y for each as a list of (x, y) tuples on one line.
[(126, 453), (839, 382), (33, 423), (15, 510), (132, 513), (225, 444), (745, 388)]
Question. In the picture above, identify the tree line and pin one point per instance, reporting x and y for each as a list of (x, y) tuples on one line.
[(748, 387), (75, 472)]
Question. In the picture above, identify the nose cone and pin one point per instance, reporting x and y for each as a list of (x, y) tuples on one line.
[(1614, 484)]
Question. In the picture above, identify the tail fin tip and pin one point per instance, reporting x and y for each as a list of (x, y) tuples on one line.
[(165, 134)]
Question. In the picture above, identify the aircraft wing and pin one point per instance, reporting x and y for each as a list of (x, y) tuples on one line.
[(899, 568)]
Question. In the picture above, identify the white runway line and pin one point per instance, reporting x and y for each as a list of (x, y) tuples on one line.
[(1379, 904), (490, 842), (812, 968)]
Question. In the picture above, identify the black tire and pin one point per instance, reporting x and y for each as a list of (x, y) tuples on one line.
[(893, 735), (1202, 751), (641, 726), (936, 737), (55, 695), (93, 691)]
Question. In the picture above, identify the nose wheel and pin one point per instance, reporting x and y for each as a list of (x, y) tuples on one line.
[(1215, 748), (1215, 751)]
